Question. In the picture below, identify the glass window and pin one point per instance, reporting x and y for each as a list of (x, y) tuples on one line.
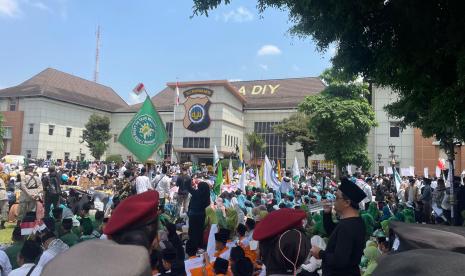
[(12, 104), (115, 138), (68, 132), (31, 128), (169, 130), (28, 154), (49, 155), (51, 128), (394, 130), (66, 156), (8, 132), (275, 146)]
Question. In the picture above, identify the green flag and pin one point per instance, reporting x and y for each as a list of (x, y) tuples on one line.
[(145, 132), (219, 180)]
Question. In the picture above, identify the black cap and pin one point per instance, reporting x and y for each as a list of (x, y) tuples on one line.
[(221, 265), (351, 190), (222, 235), (427, 181)]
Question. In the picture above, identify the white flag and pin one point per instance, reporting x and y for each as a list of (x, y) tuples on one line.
[(295, 170), (425, 172), (242, 180), (270, 177), (412, 171), (397, 180), (230, 171), (216, 157), (257, 179), (438, 172)]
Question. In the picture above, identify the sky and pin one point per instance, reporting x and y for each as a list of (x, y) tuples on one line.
[(151, 41)]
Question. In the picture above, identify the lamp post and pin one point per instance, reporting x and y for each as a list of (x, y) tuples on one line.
[(392, 149), (379, 162)]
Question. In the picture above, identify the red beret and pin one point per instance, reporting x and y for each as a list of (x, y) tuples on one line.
[(277, 222), (134, 210)]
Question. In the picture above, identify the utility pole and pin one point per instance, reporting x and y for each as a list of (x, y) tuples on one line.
[(97, 55)]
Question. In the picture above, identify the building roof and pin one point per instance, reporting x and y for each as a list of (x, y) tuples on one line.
[(258, 94), (61, 86)]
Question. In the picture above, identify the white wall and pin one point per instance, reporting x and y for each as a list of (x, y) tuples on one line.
[(379, 138), (43, 112)]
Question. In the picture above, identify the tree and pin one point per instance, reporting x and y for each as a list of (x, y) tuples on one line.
[(255, 146), (416, 47), (340, 119), (96, 134), (296, 129)]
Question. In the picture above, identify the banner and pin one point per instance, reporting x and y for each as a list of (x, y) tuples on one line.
[(144, 133), (425, 172)]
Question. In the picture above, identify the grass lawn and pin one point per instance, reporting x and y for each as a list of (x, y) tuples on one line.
[(5, 234)]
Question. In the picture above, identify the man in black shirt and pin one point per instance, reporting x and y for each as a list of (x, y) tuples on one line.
[(347, 238), (183, 182)]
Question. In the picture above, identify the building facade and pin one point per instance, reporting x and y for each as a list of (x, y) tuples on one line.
[(44, 118)]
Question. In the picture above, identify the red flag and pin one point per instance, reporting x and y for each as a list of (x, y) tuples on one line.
[(139, 88), (441, 164)]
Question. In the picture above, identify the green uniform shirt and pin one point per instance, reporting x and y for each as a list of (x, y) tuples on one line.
[(70, 239), (12, 253)]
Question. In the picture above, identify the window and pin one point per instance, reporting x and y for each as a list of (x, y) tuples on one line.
[(49, 155), (275, 146), (8, 132), (225, 140), (394, 129), (31, 128), (168, 145), (196, 142), (66, 156), (51, 128), (28, 154), (68, 132), (13, 104), (115, 138)]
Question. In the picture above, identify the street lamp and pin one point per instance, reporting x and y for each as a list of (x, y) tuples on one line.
[(392, 149), (379, 162)]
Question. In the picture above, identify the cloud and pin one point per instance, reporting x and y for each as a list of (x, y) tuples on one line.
[(238, 15), (9, 8), (135, 99), (264, 66), (41, 6), (269, 50)]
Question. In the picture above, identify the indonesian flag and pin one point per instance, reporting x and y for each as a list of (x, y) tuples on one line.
[(138, 89), (31, 227), (177, 94), (442, 164)]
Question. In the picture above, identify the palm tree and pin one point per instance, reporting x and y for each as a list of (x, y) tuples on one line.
[(255, 146)]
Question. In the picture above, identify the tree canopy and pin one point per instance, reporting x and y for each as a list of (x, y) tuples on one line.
[(296, 129), (415, 47), (255, 145), (96, 135), (340, 119)]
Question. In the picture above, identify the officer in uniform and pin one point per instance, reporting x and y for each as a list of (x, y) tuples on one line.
[(31, 189)]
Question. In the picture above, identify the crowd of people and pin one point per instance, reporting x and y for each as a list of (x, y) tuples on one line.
[(169, 219)]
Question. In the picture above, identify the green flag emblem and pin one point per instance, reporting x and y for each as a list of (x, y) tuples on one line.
[(219, 180), (145, 132)]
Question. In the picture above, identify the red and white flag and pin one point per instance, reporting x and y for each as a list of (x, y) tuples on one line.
[(177, 94), (138, 89), (442, 164)]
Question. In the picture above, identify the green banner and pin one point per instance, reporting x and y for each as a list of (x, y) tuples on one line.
[(145, 132)]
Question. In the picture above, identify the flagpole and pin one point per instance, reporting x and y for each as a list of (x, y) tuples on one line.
[(174, 121)]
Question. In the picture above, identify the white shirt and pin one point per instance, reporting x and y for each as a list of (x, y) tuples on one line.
[(21, 271), (162, 185), (5, 263), (142, 184), (121, 172), (54, 248)]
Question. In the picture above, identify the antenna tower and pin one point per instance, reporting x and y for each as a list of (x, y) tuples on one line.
[(97, 55)]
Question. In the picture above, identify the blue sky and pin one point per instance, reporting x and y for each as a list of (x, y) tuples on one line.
[(150, 41)]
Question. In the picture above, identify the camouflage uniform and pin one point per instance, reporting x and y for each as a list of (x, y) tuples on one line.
[(31, 188), (123, 188)]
